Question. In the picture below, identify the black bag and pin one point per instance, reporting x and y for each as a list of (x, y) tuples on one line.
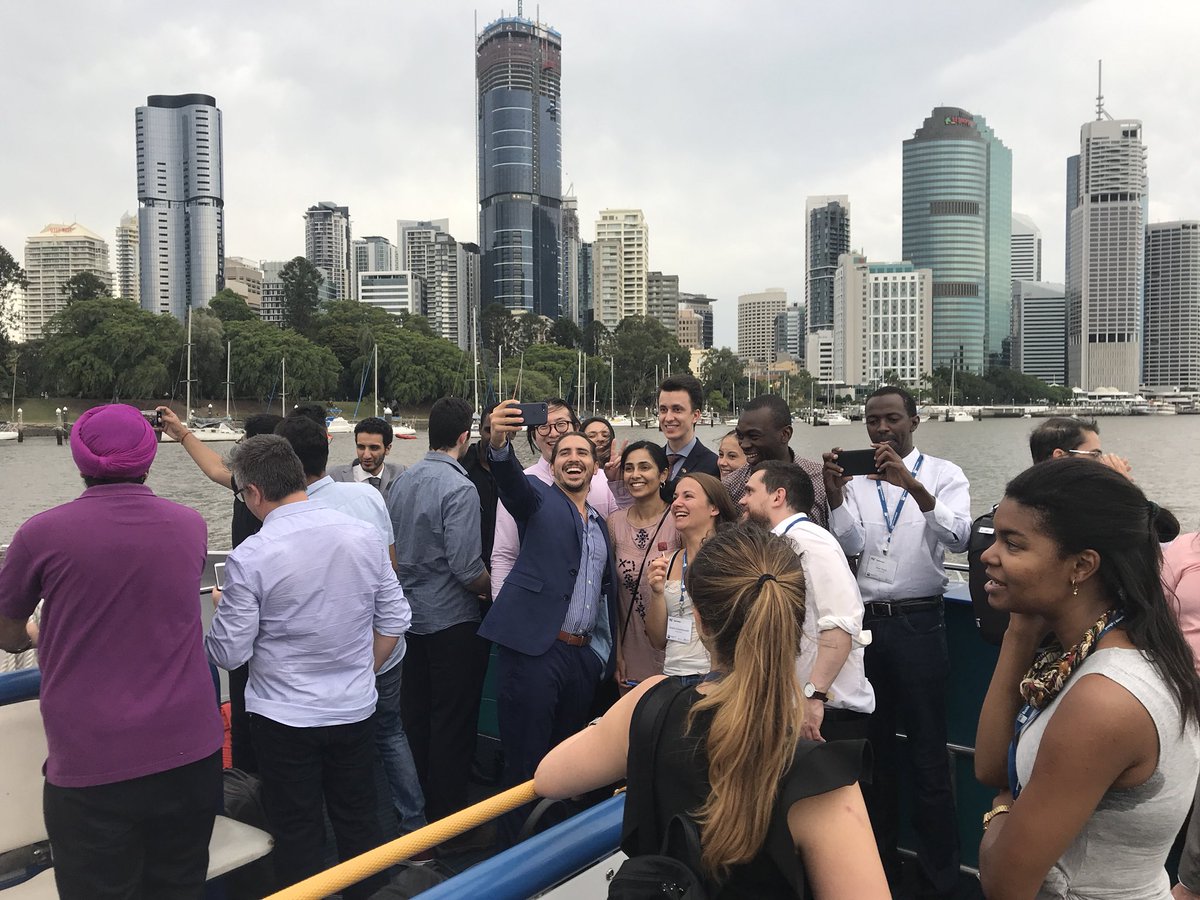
[(670, 873), (243, 803), (992, 622)]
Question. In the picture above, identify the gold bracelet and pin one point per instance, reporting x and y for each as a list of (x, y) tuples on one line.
[(992, 813)]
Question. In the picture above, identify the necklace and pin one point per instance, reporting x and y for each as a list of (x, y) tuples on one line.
[(637, 522)]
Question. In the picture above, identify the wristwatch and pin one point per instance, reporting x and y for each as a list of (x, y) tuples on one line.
[(811, 693)]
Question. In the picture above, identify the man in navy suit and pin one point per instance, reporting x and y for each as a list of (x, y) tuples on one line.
[(553, 620), (680, 402)]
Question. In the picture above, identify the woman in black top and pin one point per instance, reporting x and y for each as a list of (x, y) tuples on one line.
[(774, 812)]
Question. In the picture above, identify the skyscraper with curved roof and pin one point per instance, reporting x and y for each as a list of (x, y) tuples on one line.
[(518, 75), (957, 221), (181, 198)]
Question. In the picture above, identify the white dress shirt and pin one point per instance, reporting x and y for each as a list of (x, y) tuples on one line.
[(831, 600), (920, 539), (507, 543)]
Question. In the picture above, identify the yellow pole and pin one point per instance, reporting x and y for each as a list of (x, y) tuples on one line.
[(367, 864)]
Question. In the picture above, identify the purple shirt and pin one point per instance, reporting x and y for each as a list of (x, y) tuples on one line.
[(126, 690)]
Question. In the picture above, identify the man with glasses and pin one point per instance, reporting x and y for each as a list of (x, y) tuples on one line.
[(560, 420), (1070, 436)]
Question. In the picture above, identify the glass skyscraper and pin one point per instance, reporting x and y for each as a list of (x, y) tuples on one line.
[(518, 75), (957, 221), (181, 214)]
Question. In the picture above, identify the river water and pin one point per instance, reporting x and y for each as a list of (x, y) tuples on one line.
[(37, 474)]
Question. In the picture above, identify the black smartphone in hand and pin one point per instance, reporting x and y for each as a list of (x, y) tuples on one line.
[(857, 462), (534, 413)]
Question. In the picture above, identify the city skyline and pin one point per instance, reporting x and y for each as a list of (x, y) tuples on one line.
[(659, 155)]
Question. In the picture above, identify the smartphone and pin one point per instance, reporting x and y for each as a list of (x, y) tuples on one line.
[(219, 574), (153, 416), (857, 462), (534, 413)]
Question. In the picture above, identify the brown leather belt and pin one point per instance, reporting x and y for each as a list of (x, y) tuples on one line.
[(574, 640)]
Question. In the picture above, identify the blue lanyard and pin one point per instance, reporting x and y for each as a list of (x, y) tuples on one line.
[(1027, 715), (891, 523), (792, 524)]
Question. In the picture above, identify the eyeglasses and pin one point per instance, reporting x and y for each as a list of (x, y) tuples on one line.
[(562, 426), (1094, 454)]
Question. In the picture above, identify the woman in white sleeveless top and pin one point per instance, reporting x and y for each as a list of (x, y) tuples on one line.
[(1102, 768), (701, 505)]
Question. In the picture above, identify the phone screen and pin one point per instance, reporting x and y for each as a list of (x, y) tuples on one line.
[(857, 462), (219, 574)]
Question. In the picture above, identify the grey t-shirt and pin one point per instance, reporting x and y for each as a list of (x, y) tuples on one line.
[(1121, 852)]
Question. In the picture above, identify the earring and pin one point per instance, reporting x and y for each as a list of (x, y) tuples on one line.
[(1074, 589)]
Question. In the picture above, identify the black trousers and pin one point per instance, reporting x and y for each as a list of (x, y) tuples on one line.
[(242, 748), (300, 768), (908, 664), (142, 838), (439, 702), (845, 725)]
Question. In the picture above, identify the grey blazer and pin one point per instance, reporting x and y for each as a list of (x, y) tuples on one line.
[(391, 471)]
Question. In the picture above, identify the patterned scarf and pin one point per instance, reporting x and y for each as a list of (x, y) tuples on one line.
[(1053, 666)]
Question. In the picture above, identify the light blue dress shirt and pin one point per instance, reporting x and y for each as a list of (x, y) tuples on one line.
[(301, 602)]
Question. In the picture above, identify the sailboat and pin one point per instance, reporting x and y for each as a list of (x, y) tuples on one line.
[(956, 413), (616, 421), (209, 430)]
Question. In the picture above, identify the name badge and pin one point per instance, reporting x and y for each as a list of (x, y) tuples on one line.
[(881, 568), (679, 629)]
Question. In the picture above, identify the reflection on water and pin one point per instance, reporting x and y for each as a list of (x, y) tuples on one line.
[(38, 474)]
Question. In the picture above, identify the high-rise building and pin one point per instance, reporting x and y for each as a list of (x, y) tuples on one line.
[(607, 278), (181, 205), (585, 282), (245, 276), (662, 299), (569, 255), (1026, 257), (518, 77), (756, 325), (372, 254), (826, 238), (689, 329), (327, 245), (628, 228), (271, 308), (1106, 256), (52, 257), (957, 221), (1172, 354), (126, 250), (881, 321), (1039, 330), (393, 292), (701, 305), (447, 273), (791, 333)]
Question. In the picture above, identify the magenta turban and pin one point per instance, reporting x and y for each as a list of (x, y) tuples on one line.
[(113, 441)]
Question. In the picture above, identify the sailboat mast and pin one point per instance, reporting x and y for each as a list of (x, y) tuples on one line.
[(188, 402), (283, 391), (376, 364), (228, 373), (474, 363)]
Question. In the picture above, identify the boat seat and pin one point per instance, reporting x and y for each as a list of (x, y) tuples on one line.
[(233, 843)]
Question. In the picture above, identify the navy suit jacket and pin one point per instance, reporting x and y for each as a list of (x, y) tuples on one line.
[(529, 610), (701, 459)]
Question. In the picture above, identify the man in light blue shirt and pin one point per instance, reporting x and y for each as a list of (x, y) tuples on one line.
[(313, 604), (361, 501)]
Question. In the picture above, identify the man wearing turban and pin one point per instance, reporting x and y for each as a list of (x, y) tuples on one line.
[(133, 774)]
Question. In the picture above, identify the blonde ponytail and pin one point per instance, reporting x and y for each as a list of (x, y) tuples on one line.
[(748, 588)]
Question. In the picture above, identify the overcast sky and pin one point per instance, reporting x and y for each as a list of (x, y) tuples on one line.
[(717, 119)]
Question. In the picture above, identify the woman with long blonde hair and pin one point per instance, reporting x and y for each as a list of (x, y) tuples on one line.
[(777, 815)]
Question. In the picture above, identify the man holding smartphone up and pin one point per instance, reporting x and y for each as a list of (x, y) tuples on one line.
[(899, 523)]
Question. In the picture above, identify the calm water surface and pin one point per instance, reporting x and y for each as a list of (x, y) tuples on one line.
[(38, 474)]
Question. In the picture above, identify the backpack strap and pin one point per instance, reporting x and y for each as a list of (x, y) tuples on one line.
[(640, 823)]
